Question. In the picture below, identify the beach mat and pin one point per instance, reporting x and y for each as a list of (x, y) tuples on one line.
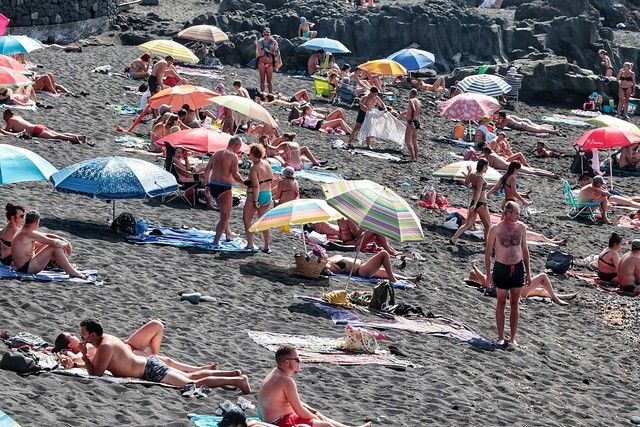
[(312, 349), (188, 238), (7, 421), (495, 218), (82, 373), (318, 176), (377, 155), (130, 141), (7, 272), (126, 110), (438, 326), (400, 284), (208, 420), (601, 285), (565, 120), (454, 142)]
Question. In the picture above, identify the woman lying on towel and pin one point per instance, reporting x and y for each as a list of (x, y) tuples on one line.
[(540, 286), (307, 120), (378, 266), (145, 341)]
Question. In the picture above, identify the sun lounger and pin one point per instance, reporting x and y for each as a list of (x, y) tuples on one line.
[(7, 272), (578, 209)]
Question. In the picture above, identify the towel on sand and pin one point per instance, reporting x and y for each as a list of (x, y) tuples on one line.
[(7, 272), (7, 421), (438, 326), (82, 373), (125, 109), (400, 284), (565, 120), (207, 420), (318, 176), (312, 349), (130, 141), (377, 155), (601, 285), (382, 125), (188, 238)]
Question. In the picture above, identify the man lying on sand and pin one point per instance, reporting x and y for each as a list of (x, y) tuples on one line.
[(378, 266), (29, 257), (114, 355), (629, 269), (278, 399), (504, 120), (146, 342), (16, 124)]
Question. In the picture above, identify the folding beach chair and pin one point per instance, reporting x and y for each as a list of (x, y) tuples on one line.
[(188, 182), (515, 81), (322, 87), (578, 209), (346, 94)]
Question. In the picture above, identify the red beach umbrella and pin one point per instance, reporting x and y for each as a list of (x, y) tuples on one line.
[(12, 79), (202, 140), (9, 62)]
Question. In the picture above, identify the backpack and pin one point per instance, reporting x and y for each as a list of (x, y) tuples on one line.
[(19, 362), (383, 296), (581, 164), (559, 262), (124, 224)]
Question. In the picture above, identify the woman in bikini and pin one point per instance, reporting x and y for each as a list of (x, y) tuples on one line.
[(15, 220), (508, 184), (287, 188), (606, 63), (307, 120), (504, 120), (378, 266), (627, 88), (292, 153), (478, 204), (259, 195), (139, 69), (609, 259)]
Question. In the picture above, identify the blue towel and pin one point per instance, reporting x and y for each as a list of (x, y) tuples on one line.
[(337, 314), (188, 238), (7, 421), (7, 272), (400, 284), (318, 176), (207, 420)]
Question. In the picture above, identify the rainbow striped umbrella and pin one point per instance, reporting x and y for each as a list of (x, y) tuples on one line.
[(375, 208), (296, 212)]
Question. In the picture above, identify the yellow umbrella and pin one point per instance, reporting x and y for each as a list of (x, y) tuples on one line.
[(246, 107), (458, 170), (614, 122), (386, 67), (170, 48), (204, 33)]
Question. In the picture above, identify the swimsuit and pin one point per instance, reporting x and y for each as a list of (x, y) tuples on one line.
[(306, 34), (153, 84), (607, 277), (507, 276), (154, 370), (291, 420), (416, 123), (264, 197), (218, 188), (478, 206), (361, 116), (293, 99), (37, 130), (296, 166), (24, 268)]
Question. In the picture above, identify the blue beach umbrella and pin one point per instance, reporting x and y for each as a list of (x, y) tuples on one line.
[(19, 164), (112, 178), (413, 59), (10, 45), (326, 44)]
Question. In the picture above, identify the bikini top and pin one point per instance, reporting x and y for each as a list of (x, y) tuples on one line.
[(249, 184), (606, 262), (627, 79), (5, 242)]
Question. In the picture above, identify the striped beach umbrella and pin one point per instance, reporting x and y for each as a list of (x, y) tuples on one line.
[(296, 212), (170, 48), (485, 84), (459, 170), (204, 33), (375, 208)]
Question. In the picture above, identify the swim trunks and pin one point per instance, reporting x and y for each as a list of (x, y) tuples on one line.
[(24, 268), (155, 370), (218, 188), (291, 420), (508, 276), (153, 85), (306, 34), (361, 116), (607, 277), (37, 130)]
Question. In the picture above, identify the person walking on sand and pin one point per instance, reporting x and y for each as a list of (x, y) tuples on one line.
[(511, 270), (278, 399), (267, 51), (157, 75), (412, 115), (18, 125), (220, 173), (113, 355), (366, 103)]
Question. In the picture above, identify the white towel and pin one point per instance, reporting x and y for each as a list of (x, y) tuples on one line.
[(382, 125)]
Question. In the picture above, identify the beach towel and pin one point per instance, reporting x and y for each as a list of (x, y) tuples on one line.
[(207, 420), (7, 421), (312, 349), (564, 120), (454, 142), (318, 176), (382, 125), (626, 222), (126, 109), (583, 113), (377, 155), (495, 218), (29, 107), (7, 272), (188, 238), (400, 284), (593, 279), (130, 141), (200, 72), (108, 377)]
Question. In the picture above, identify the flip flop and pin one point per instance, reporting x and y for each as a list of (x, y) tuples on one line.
[(189, 390)]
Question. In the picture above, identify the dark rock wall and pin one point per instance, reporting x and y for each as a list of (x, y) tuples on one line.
[(26, 13)]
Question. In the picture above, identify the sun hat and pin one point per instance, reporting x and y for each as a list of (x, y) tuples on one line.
[(288, 172), (635, 245)]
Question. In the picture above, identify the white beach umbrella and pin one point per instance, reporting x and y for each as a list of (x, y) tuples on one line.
[(486, 84)]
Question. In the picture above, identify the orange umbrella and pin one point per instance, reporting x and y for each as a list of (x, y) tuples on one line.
[(11, 78), (202, 140), (9, 62), (177, 96)]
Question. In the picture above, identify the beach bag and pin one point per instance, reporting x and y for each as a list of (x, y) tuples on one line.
[(383, 296), (559, 262), (359, 340), (125, 224), (581, 164), (19, 362)]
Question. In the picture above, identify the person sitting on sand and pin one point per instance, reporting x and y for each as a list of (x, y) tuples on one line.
[(508, 184), (24, 96), (541, 151), (501, 147), (286, 188), (15, 219), (113, 355), (16, 124), (139, 69), (278, 399), (540, 286), (29, 257), (438, 86), (596, 192), (504, 120), (378, 266), (609, 259), (293, 153), (348, 236), (240, 90), (304, 29), (47, 83), (158, 73), (307, 120), (485, 131), (315, 62), (629, 269), (500, 163)]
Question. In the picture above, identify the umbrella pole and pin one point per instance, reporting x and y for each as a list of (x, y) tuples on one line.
[(610, 169), (355, 259), (304, 242), (113, 210)]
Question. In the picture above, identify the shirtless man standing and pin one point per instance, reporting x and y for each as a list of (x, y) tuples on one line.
[(27, 259), (220, 173), (511, 269), (629, 269), (113, 355), (367, 102), (278, 399), (16, 125), (595, 192), (158, 74), (414, 109)]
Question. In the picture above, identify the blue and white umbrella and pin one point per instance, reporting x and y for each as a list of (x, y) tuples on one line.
[(10, 45), (486, 84), (413, 59), (112, 178), (326, 44), (19, 164)]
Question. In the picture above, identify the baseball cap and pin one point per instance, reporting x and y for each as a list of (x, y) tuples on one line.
[(598, 180), (635, 245)]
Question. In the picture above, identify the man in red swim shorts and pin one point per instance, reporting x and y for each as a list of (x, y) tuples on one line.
[(278, 400), (16, 124)]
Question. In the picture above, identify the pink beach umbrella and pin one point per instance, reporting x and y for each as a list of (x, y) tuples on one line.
[(468, 106), (12, 64), (4, 23)]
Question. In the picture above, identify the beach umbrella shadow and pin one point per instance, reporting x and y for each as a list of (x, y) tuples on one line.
[(82, 229), (278, 274), (309, 309)]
